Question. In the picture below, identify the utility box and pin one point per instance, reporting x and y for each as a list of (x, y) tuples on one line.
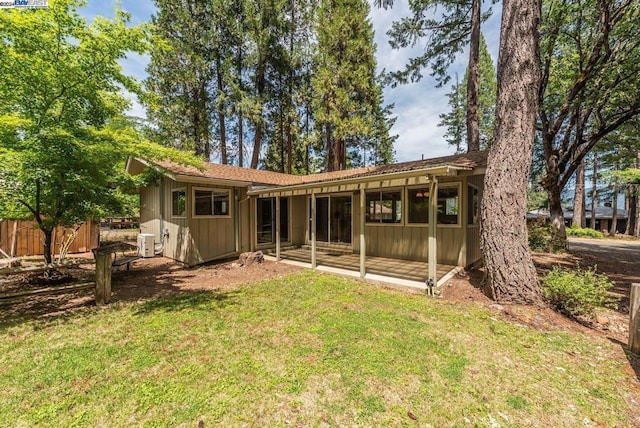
[(146, 244)]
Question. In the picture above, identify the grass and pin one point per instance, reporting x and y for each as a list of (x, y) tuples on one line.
[(306, 349)]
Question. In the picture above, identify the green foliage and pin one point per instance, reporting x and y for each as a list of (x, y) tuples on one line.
[(65, 139), (542, 238), (576, 292), (537, 199), (455, 120), (584, 232)]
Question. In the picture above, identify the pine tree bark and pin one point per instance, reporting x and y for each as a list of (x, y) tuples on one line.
[(579, 216), (511, 275), (473, 125)]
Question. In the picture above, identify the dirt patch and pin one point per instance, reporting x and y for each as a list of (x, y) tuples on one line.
[(148, 279)]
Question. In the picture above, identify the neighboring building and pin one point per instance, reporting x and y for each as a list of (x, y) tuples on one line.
[(604, 216), (223, 210)]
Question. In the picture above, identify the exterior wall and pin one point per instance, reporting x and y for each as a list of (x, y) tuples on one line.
[(150, 211), (299, 220), (193, 240), (473, 231), (456, 245)]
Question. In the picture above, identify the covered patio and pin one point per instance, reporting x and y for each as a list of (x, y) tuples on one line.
[(403, 272)]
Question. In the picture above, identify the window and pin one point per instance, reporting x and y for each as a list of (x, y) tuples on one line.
[(418, 205), (178, 203), (210, 202), (473, 205), (384, 207), (448, 205)]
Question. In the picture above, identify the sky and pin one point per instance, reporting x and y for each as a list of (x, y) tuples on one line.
[(417, 105)]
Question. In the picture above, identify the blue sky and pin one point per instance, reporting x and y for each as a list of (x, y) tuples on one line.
[(417, 105)]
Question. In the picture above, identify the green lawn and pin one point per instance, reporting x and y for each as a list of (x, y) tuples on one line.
[(307, 349)]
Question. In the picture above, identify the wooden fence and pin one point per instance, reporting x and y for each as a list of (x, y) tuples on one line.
[(22, 238)]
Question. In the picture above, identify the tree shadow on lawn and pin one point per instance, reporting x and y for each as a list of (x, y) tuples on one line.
[(149, 282)]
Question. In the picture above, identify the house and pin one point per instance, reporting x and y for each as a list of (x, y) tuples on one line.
[(370, 220), (604, 217)]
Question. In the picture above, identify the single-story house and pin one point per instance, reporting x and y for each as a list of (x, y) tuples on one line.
[(369, 220), (604, 217)]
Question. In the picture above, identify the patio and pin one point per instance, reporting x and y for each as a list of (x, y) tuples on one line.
[(397, 271)]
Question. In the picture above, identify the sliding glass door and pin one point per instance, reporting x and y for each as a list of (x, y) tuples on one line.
[(333, 219), (266, 220)]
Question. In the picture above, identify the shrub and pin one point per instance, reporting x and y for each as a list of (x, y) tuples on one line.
[(576, 292), (586, 232), (541, 238)]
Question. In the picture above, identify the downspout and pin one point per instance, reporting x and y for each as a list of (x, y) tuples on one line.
[(236, 220), (162, 207)]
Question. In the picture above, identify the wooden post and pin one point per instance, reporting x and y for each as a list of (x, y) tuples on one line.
[(103, 278), (278, 228), (634, 319), (432, 281), (313, 230), (363, 244)]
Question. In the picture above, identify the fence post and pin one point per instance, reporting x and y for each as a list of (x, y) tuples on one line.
[(634, 319), (103, 278)]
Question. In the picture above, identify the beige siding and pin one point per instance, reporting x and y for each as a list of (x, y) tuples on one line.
[(211, 238), (473, 231), (150, 211), (244, 220), (299, 220), (179, 245)]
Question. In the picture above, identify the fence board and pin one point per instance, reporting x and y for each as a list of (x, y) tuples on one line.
[(30, 241)]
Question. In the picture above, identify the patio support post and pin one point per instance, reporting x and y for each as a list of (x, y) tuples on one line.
[(313, 230), (363, 247), (278, 228), (432, 281)]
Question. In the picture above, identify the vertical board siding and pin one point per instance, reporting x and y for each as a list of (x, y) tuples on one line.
[(30, 240), (150, 211), (298, 218)]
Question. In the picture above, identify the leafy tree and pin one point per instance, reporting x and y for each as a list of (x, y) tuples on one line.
[(63, 138), (589, 88), (455, 120), (511, 275), (448, 27)]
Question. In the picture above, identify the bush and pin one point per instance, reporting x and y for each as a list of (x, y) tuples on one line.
[(586, 232), (541, 238), (576, 292)]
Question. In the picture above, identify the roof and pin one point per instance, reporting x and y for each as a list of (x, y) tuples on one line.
[(602, 213), (467, 161)]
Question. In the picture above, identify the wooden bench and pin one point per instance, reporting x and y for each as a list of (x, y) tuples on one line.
[(121, 253)]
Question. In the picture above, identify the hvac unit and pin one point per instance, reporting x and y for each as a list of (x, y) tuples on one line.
[(146, 244)]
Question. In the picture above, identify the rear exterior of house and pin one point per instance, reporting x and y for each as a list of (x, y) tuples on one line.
[(222, 211)]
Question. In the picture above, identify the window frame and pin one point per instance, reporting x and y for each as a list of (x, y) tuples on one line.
[(289, 225), (408, 189), (229, 192), (380, 191), (186, 202), (458, 186), (470, 200)]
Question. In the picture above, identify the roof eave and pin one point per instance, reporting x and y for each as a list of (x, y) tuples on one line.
[(441, 170)]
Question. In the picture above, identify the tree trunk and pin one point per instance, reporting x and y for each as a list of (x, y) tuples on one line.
[(579, 216), (556, 217), (511, 275), (614, 205), (631, 210), (257, 138), (636, 214), (473, 126), (594, 192), (47, 249), (221, 119)]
